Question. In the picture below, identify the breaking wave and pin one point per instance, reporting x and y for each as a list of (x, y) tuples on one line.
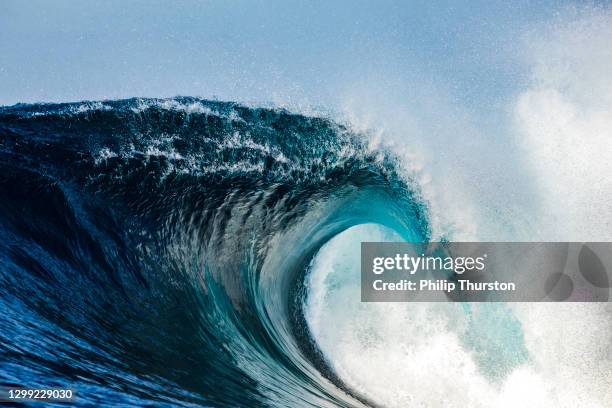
[(157, 251)]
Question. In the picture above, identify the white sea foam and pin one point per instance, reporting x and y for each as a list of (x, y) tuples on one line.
[(91, 106), (173, 105), (193, 107), (454, 355), (546, 176), (82, 107), (104, 154)]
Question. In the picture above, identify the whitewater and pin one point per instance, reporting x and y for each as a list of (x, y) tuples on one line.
[(540, 174)]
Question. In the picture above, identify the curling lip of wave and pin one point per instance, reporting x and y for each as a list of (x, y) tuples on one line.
[(154, 250)]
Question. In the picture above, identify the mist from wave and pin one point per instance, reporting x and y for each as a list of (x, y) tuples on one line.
[(534, 169)]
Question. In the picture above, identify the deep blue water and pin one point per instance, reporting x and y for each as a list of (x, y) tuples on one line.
[(154, 251)]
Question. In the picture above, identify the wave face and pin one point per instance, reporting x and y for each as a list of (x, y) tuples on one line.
[(155, 251)]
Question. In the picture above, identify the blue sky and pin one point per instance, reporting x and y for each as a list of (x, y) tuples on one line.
[(307, 52)]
